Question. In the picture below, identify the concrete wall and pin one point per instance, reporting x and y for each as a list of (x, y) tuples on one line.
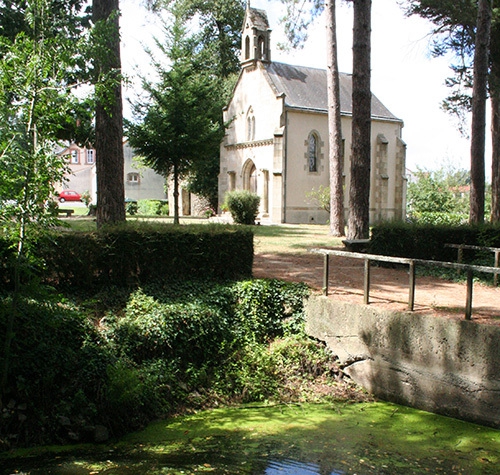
[(450, 367)]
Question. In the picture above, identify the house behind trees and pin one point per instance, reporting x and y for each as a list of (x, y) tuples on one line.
[(141, 183)]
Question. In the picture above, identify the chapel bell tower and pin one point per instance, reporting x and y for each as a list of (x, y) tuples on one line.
[(255, 37)]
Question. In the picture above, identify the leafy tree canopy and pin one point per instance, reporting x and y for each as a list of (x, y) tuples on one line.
[(454, 33), (219, 25), (444, 190), (178, 128)]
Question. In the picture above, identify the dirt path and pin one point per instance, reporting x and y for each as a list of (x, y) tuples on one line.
[(389, 286)]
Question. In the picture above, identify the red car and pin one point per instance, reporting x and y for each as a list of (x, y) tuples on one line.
[(69, 195)]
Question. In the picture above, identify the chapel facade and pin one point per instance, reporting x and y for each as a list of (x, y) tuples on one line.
[(276, 143)]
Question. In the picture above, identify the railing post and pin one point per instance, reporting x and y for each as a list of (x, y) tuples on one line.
[(497, 264), (367, 282), (411, 298), (468, 304), (326, 271), (460, 257)]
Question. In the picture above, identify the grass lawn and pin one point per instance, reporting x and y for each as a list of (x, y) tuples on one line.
[(292, 238), (272, 239)]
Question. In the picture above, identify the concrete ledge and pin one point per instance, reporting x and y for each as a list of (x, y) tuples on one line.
[(450, 367)]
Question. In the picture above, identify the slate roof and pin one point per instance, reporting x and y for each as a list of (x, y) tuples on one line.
[(306, 88), (258, 18)]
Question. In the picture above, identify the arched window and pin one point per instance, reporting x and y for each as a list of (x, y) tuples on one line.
[(312, 153), (249, 128), (253, 180), (250, 125), (261, 48), (247, 47)]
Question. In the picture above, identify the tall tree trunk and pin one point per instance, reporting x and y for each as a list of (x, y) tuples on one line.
[(494, 87), (176, 194), (336, 161), (359, 190), (495, 157), (109, 118), (479, 93)]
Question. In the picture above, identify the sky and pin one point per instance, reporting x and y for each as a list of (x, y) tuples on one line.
[(404, 75)]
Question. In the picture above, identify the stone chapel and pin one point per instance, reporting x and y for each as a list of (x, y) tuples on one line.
[(276, 143)]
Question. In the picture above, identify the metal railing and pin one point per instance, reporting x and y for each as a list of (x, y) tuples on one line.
[(460, 254), (412, 263)]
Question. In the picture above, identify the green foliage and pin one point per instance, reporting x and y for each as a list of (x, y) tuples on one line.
[(156, 350), (298, 18), (57, 369), (131, 207), (86, 198), (41, 59), (262, 305), (243, 206), (152, 208), (179, 129), (220, 31), (320, 197), (131, 255), (211, 336), (439, 219), (427, 241), (439, 197)]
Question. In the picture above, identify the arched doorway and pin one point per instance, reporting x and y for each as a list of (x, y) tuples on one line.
[(250, 176)]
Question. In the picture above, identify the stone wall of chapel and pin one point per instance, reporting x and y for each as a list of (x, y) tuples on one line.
[(253, 92), (253, 96), (298, 179), (387, 182), (385, 203)]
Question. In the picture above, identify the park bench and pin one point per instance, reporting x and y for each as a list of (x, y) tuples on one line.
[(356, 245), (67, 212)]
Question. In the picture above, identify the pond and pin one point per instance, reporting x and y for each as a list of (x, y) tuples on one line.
[(326, 439)]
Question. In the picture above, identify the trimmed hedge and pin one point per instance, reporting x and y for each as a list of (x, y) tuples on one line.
[(428, 241), (133, 255)]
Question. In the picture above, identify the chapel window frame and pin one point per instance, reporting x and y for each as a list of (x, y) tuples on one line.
[(250, 125), (313, 152), (247, 47)]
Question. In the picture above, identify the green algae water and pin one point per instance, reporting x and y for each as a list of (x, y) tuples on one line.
[(326, 439)]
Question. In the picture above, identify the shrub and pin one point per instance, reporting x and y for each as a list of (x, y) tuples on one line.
[(131, 207), (57, 367), (158, 349), (265, 305), (152, 208), (243, 206), (137, 255), (427, 241), (439, 218)]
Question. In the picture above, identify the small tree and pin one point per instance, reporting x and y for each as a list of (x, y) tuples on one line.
[(37, 66), (177, 127)]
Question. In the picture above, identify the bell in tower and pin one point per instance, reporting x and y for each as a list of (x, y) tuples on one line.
[(255, 37)]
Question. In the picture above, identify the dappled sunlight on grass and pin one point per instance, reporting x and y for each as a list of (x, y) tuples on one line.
[(293, 238), (283, 238)]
